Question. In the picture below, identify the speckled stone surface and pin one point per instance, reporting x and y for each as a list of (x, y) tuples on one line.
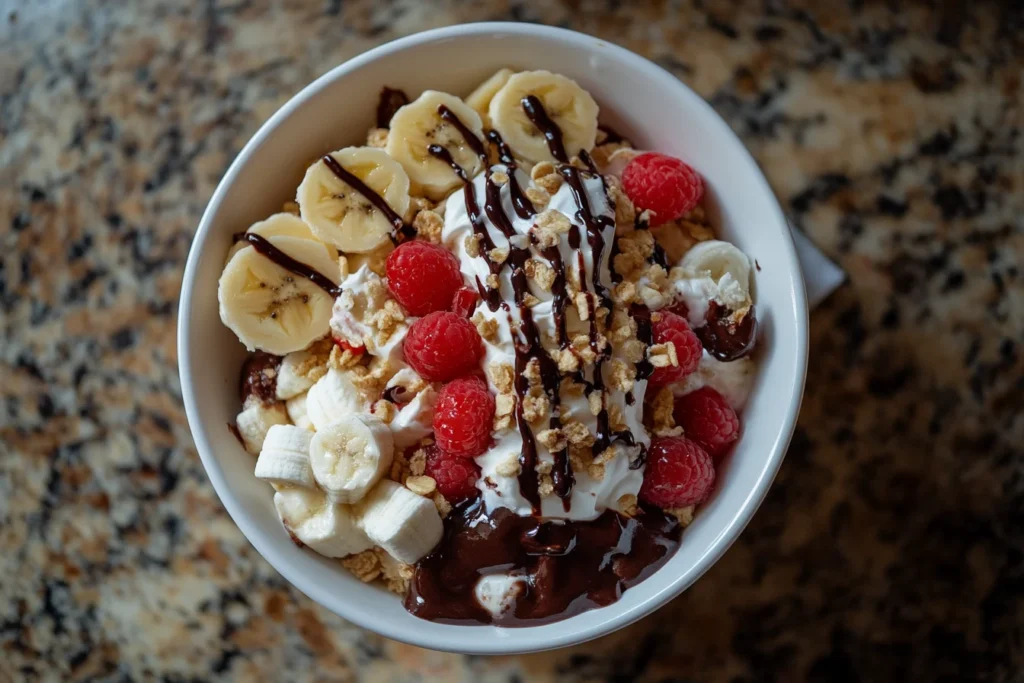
[(892, 545)]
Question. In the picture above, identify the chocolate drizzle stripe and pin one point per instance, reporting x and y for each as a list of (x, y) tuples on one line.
[(520, 202), (401, 227), (534, 110), (264, 247)]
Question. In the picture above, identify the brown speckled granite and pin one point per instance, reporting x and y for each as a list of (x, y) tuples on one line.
[(891, 544)]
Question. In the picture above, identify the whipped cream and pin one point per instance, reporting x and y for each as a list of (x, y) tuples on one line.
[(733, 380), (698, 293), (497, 593), (590, 496)]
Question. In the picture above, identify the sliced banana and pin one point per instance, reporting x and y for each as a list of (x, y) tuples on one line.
[(292, 379), (296, 408), (404, 524), (270, 308), (333, 397), (284, 459), (350, 455), (418, 125), (281, 225), (726, 265), (327, 528), (480, 99), (340, 215), (565, 102), (256, 420)]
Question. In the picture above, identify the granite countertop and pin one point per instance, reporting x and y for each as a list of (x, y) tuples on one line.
[(892, 544)]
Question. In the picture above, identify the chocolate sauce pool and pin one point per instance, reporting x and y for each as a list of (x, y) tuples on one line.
[(569, 567)]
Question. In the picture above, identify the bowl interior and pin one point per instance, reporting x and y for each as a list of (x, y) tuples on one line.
[(637, 98)]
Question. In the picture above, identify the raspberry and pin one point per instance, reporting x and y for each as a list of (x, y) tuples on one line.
[(442, 345), (665, 185), (708, 419), (463, 417), (679, 473), (456, 477), (669, 327), (465, 301), (423, 277)]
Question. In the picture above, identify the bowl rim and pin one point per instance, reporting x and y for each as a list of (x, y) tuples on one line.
[(524, 640)]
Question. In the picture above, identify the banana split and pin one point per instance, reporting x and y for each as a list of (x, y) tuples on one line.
[(497, 353)]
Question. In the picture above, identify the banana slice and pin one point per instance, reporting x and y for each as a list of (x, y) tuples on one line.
[(293, 375), (333, 397), (256, 420), (325, 527), (296, 408), (340, 215), (726, 265), (270, 308), (480, 99), (351, 455), (418, 125), (281, 225), (565, 102), (284, 460), (404, 524)]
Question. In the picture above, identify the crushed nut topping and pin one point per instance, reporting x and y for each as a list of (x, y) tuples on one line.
[(541, 273), (429, 226), (538, 197), (509, 467), (365, 565), (421, 485), (661, 410), (663, 355)]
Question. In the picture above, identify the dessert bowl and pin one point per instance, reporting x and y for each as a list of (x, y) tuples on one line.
[(638, 99)]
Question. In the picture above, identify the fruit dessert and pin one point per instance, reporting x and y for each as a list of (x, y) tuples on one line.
[(497, 353)]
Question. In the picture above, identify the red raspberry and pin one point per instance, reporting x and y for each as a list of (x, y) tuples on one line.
[(442, 345), (678, 473), (669, 327), (463, 417), (456, 477), (665, 185), (423, 277), (465, 302), (708, 419)]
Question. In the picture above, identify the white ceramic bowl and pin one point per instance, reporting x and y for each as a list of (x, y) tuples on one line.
[(639, 99)]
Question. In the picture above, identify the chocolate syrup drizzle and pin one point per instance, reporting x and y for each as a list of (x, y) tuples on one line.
[(403, 229), (264, 247), (567, 567)]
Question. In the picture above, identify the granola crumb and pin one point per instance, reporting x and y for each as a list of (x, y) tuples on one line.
[(499, 178), (418, 462), (428, 225), (384, 410), (365, 565), (552, 439), (538, 197), (502, 375), (541, 273), (509, 467), (421, 485), (442, 504), (661, 410), (486, 327)]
